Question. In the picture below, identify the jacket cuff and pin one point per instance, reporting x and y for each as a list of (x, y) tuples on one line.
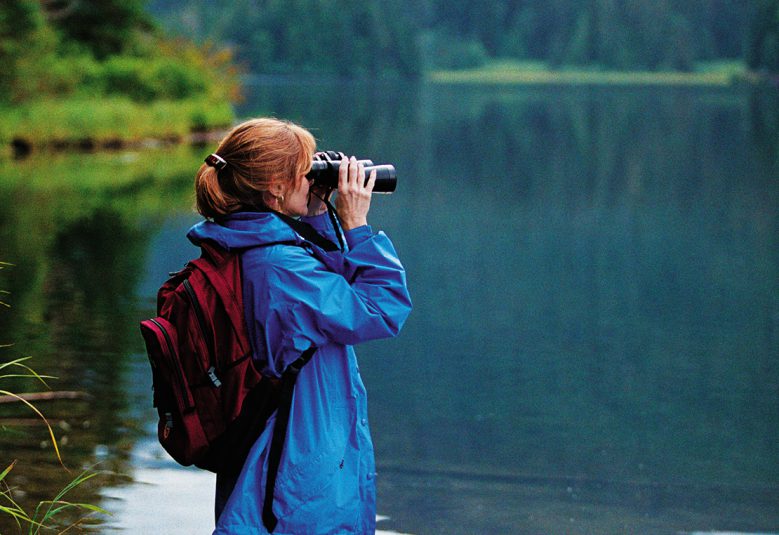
[(358, 235)]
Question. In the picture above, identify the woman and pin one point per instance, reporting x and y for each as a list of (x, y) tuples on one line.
[(299, 294)]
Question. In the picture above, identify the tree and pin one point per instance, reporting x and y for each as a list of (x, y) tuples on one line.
[(104, 27)]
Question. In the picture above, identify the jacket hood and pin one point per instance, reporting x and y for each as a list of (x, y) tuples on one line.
[(244, 229)]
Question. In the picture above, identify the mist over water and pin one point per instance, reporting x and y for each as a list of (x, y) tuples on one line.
[(593, 347)]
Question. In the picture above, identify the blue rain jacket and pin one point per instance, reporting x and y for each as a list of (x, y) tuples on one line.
[(295, 295)]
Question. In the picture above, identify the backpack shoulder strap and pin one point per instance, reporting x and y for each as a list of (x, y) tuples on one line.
[(309, 233), (288, 380)]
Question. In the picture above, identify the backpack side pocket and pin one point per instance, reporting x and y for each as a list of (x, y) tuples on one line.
[(179, 429)]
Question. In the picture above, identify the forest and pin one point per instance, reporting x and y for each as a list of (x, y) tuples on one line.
[(409, 37)]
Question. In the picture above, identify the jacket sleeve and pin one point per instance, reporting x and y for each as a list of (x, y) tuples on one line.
[(309, 304)]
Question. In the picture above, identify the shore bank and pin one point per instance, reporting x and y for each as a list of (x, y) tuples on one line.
[(109, 123)]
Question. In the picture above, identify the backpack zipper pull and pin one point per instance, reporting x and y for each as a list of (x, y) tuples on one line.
[(214, 379)]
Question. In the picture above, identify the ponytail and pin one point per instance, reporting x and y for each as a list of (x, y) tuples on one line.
[(210, 199)]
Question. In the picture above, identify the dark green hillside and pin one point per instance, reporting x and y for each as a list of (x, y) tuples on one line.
[(411, 36)]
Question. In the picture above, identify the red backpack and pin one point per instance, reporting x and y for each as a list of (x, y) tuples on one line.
[(212, 401)]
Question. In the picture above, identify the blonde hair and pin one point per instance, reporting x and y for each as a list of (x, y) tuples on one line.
[(260, 153)]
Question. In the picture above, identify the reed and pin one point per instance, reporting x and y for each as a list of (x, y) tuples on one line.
[(48, 512)]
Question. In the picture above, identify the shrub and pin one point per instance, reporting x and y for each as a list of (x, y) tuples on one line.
[(148, 79)]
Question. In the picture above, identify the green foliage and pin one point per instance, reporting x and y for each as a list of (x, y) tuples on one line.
[(66, 82), (104, 27), (145, 80), (176, 70), (24, 40)]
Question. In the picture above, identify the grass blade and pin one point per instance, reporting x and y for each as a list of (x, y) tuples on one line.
[(5, 472), (31, 373), (40, 414), (15, 511), (27, 376), (86, 475), (14, 362), (58, 505)]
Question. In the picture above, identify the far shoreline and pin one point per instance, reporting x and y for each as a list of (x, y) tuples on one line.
[(582, 78), (716, 74)]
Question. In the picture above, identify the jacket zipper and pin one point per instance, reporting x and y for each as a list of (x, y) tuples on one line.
[(177, 371)]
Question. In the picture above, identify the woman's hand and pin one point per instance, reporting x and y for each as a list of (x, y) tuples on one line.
[(354, 194), (319, 194)]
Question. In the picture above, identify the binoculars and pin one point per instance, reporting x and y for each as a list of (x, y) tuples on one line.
[(324, 172)]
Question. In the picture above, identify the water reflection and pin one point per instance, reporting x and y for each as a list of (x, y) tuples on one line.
[(594, 342), (596, 306), (78, 247)]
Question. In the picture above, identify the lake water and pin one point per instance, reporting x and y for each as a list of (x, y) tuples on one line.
[(594, 346)]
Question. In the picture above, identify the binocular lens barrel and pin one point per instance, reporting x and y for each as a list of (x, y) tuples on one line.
[(325, 173)]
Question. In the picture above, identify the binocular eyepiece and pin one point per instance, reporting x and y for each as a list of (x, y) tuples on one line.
[(324, 172)]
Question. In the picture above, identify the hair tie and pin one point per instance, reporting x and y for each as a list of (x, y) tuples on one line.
[(216, 161)]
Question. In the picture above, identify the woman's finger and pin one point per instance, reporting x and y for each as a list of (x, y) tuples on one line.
[(371, 181), (343, 170), (361, 175), (353, 172)]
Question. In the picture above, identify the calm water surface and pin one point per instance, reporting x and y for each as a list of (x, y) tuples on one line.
[(594, 344)]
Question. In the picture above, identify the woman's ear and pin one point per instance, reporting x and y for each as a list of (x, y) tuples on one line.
[(276, 189)]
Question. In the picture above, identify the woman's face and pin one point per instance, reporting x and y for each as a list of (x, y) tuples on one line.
[(296, 199)]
